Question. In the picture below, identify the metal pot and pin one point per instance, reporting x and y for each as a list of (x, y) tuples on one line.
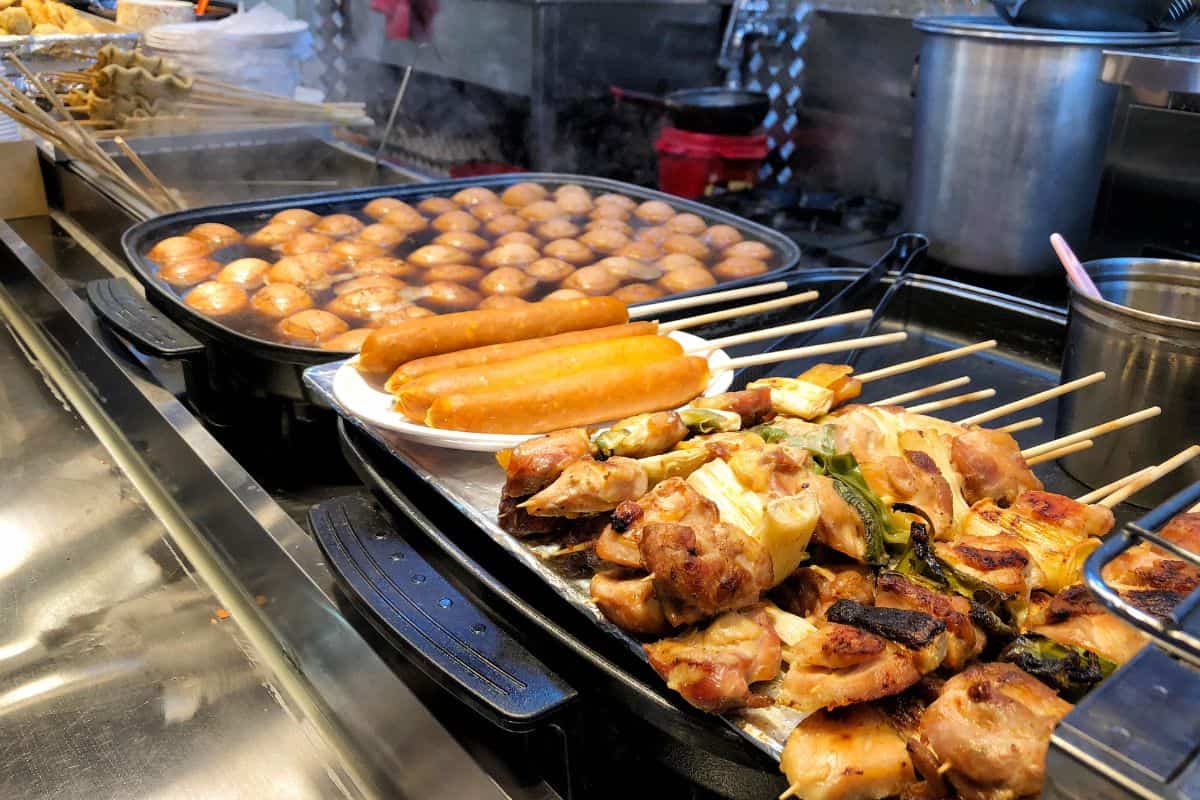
[(1145, 333), (1009, 137)]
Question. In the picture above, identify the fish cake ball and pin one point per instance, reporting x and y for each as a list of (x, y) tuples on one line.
[(570, 251), (518, 237), (305, 242), (610, 211), (736, 267), (655, 235), (215, 299), (408, 221), (349, 342), (593, 280), (523, 194), (574, 204), (381, 207), (541, 211), (510, 255), (299, 217), (628, 269), (381, 235), (249, 273), (475, 195), (656, 212), (508, 281), (432, 255), (560, 228), (573, 190), (609, 225), (179, 248), (549, 270), (641, 251), (638, 293), (486, 212), (455, 273), (462, 240), (719, 237), (750, 250), (189, 272), (502, 301), (369, 282), (215, 234), (312, 326), (687, 279), (383, 265), (689, 224), (447, 296), (604, 240), (611, 198), (401, 314), (275, 233), (294, 270), (279, 300), (509, 223), (566, 294), (352, 252), (674, 261), (688, 245), (338, 226), (437, 205), (363, 305), (456, 221)]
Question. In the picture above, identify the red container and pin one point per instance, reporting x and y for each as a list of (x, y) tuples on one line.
[(691, 164)]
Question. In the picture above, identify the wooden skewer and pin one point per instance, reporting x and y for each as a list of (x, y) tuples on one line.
[(136, 160), (949, 402), (1138, 483), (1095, 430), (790, 792), (916, 394), (1109, 488), (1021, 424), (815, 350), (1194, 509), (783, 330), (1033, 399), (665, 306), (925, 361), (731, 313), (1061, 452)]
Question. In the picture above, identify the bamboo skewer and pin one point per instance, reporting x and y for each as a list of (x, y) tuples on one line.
[(1061, 452), (782, 330), (729, 313), (1109, 488), (136, 160), (667, 306), (1020, 425), (1138, 483), (916, 394), (815, 350), (1033, 399), (925, 361), (1095, 430), (950, 402)]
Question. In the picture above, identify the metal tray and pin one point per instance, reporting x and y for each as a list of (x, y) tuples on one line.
[(141, 237), (937, 313)]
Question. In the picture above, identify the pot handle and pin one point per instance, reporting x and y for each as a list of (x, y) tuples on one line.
[(437, 626), (128, 313)]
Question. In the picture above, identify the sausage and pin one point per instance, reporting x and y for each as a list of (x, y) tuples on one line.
[(416, 396), (390, 347), (493, 353), (578, 398)]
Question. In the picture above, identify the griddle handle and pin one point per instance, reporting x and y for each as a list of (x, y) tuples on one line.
[(434, 624), (128, 313)]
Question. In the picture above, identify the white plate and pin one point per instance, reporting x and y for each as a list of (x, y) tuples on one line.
[(373, 404)]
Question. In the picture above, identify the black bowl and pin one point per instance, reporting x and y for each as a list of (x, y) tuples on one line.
[(1132, 16)]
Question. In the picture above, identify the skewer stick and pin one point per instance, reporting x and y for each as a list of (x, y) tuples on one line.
[(1138, 483), (916, 394), (925, 361), (1194, 509), (783, 330), (1061, 452), (949, 402), (790, 792), (146, 172), (1109, 488), (1096, 430), (815, 350), (731, 313), (1033, 399), (1021, 424), (665, 306)]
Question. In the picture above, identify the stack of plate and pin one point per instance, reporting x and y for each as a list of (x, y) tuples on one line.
[(10, 131)]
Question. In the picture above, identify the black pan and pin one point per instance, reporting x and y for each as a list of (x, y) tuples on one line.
[(713, 109)]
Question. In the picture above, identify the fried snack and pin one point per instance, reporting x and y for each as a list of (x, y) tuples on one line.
[(390, 347), (495, 353), (581, 398)]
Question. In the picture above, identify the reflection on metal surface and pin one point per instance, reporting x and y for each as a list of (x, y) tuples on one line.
[(118, 676)]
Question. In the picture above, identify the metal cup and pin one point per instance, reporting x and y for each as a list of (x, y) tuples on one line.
[(1145, 333)]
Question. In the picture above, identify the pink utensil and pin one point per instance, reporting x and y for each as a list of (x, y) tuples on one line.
[(1076, 274)]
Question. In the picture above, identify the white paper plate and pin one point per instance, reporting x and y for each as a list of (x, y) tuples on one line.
[(373, 404)]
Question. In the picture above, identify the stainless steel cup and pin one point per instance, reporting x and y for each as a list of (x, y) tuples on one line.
[(1145, 333)]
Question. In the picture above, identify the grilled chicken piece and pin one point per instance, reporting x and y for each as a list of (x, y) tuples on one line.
[(536, 463), (965, 641), (709, 568), (1074, 617), (589, 487), (999, 560), (778, 470), (992, 466), (849, 754), (839, 665), (713, 668), (991, 726), (752, 405), (840, 528), (810, 591), (1048, 508), (1146, 569), (629, 602), (673, 500), (643, 435), (723, 445), (915, 479)]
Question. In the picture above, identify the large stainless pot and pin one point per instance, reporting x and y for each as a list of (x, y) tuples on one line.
[(1145, 333), (1008, 141)]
